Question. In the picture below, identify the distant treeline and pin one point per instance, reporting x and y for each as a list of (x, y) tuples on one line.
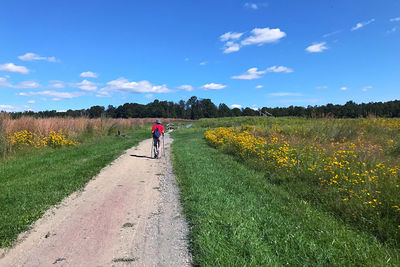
[(195, 108)]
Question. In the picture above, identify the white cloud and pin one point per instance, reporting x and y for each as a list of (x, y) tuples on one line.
[(58, 95), (4, 82), (186, 59), (56, 84), (86, 85), (7, 108), (392, 30), (186, 87), (258, 36), (366, 88), (331, 34), (358, 26), (259, 86), (124, 85), (33, 56), (395, 19), (27, 84), (149, 96), (103, 94), (11, 67), (236, 106), (282, 94), (251, 5), (254, 73), (279, 69), (362, 24), (316, 48), (213, 86), (230, 36), (203, 63), (321, 87), (31, 101), (255, 6), (89, 74), (250, 74), (231, 47), (343, 88), (261, 36)]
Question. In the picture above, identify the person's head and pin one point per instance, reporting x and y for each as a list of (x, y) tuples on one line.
[(158, 121)]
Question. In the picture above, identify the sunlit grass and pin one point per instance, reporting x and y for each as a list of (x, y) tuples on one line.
[(355, 176), (238, 217), (31, 181)]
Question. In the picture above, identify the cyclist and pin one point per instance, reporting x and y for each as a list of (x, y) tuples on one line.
[(157, 131)]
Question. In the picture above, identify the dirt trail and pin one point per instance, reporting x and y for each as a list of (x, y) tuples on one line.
[(127, 215)]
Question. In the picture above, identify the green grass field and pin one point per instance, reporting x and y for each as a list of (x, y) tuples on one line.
[(238, 217), (34, 180), (241, 212)]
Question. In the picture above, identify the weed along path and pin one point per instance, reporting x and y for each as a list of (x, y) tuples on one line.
[(128, 214)]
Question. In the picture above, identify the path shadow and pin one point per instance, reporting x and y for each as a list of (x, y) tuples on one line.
[(140, 156)]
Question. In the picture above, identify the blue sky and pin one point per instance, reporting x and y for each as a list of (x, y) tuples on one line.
[(75, 54)]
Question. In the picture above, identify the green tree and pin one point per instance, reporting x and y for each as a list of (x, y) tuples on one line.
[(208, 109), (224, 111)]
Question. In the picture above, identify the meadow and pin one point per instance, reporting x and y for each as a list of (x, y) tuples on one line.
[(335, 181), (45, 160), (28, 132), (255, 191), (350, 167)]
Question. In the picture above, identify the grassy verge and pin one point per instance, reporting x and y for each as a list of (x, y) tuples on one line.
[(32, 183), (238, 218)]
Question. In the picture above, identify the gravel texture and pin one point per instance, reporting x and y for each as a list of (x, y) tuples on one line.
[(128, 215)]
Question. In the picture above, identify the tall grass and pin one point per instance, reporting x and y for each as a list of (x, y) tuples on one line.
[(3, 136), (380, 137), (102, 126), (76, 128)]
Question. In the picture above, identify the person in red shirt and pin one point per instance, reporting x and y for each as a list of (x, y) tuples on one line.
[(157, 131)]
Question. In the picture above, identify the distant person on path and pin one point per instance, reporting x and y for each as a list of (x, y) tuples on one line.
[(157, 131)]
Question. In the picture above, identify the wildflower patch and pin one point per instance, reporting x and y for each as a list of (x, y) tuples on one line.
[(28, 139), (364, 189)]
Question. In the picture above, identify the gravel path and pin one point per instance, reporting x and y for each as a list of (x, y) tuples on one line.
[(128, 215)]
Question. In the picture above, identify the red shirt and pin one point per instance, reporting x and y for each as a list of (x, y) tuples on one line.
[(160, 128)]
